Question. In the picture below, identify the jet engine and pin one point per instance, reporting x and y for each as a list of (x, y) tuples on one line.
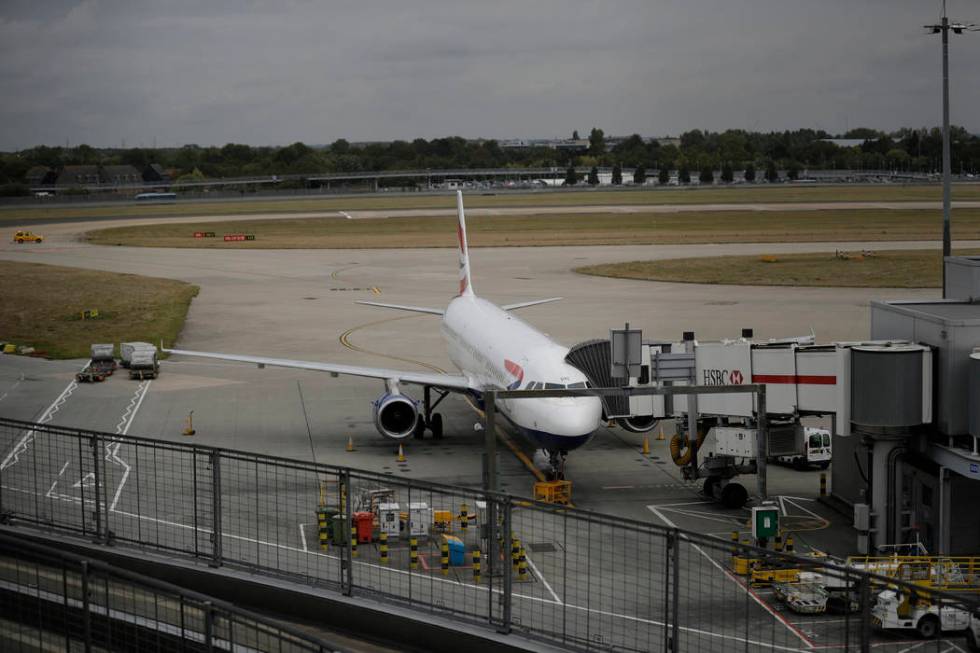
[(637, 423), (395, 415)]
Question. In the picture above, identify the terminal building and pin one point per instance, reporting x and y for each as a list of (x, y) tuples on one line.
[(911, 469)]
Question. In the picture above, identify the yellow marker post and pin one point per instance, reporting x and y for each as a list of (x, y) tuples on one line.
[(476, 566), (646, 445), (413, 553), (353, 541), (383, 547), (445, 558)]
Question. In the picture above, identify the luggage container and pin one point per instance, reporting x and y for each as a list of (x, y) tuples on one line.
[(389, 519), (364, 521), (419, 518), (126, 350), (457, 550)]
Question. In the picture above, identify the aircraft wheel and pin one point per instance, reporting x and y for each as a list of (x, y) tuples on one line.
[(436, 426), (419, 432), (734, 495)]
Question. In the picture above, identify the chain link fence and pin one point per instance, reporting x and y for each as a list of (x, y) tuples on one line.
[(577, 579)]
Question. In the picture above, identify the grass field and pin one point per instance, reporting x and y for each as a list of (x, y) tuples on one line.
[(556, 229), (887, 269), (736, 194), (42, 306)]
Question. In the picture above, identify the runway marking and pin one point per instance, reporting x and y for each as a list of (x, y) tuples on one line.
[(618, 487), (123, 429), (302, 537), (21, 447), (748, 590), (544, 581), (13, 387)]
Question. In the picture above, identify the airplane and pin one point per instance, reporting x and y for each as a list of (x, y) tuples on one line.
[(492, 348)]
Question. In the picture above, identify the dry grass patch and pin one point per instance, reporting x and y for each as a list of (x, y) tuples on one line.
[(555, 229), (42, 306), (886, 269), (735, 194)]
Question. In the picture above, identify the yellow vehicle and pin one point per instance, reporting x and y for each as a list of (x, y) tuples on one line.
[(27, 237)]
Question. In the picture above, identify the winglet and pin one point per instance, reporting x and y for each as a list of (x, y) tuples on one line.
[(465, 285)]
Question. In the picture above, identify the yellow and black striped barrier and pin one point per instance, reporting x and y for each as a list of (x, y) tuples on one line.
[(823, 484), (476, 566), (464, 518), (322, 528), (789, 543), (522, 565), (383, 547), (515, 552), (778, 544), (445, 558), (353, 541), (413, 553)]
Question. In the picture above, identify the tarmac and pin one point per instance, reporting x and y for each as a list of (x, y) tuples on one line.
[(300, 304)]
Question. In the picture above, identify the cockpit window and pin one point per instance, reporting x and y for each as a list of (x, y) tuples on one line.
[(580, 384), (553, 386)]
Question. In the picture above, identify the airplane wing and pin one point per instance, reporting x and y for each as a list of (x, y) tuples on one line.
[(434, 379), (534, 302), (402, 307)]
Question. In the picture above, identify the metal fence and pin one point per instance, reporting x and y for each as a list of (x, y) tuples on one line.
[(52, 600), (574, 578)]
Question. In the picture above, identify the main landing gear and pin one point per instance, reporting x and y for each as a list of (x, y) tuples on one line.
[(428, 419), (556, 459)]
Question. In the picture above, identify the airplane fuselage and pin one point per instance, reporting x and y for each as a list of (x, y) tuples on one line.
[(495, 348)]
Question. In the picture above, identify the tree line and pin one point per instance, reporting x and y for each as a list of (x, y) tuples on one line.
[(698, 152)]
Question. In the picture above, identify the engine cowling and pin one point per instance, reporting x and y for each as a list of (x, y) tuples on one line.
[(637, 423), (395, 416)]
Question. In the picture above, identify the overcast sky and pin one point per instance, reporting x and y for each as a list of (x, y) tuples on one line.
[(104, 72)]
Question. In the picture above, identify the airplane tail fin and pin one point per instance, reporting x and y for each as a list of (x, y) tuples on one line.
[(465, 285)]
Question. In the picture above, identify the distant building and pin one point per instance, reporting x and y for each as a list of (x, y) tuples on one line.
[(845, 142), (40, 176), (155, 173), (78, 176), (120, 175)]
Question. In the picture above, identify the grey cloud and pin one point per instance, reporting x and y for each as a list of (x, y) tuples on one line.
[(103, 71)]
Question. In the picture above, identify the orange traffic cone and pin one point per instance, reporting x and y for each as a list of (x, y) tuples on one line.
[(660, 436), (350, 443), (646, 445), (401, 454)]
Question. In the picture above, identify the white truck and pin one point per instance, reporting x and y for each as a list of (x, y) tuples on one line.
[(143, 364), (801, 447), (126, 350), (901, 610)]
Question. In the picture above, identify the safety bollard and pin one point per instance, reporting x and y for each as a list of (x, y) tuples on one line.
[(413, 553), (522, 566), (823, 484), (353, 541), (383, 547), (464, 518), (445, 558), (322, 532), (789, 544), (515, 552), (778, 543), (476, 566)]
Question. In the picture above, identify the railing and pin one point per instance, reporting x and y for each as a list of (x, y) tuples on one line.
[(569, 577), (51, 600)]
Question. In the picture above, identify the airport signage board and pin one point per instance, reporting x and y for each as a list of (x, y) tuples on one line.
[(238, 237), (765, 522), (721, 364), (626, 352)]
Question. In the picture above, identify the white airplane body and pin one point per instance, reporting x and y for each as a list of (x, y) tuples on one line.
[(493, 349)]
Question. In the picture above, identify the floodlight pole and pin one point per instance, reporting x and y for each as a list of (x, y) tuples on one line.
[(943, 28), (947, 239)]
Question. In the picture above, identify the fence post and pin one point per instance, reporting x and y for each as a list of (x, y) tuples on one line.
[(507, 593), (97, 495), (673, 564), (492, 548), (865, 613), (208, 626), (347, 562), (216, 546), (86, 609)]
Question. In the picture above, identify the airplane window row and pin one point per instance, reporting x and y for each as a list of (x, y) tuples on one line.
[(537, 385)]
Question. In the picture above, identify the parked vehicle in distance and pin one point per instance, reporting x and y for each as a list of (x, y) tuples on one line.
[(24, 236)]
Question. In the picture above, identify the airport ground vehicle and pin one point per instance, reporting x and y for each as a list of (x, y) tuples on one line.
[(143, 364), (24, 236), (811, 447), (101, 365)]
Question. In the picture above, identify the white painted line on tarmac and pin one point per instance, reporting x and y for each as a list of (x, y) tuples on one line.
[(123, 429), (912, 648), (793, 629), (302, 538), (537, 573), (782, 506), (14, 456), (12, 388)]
